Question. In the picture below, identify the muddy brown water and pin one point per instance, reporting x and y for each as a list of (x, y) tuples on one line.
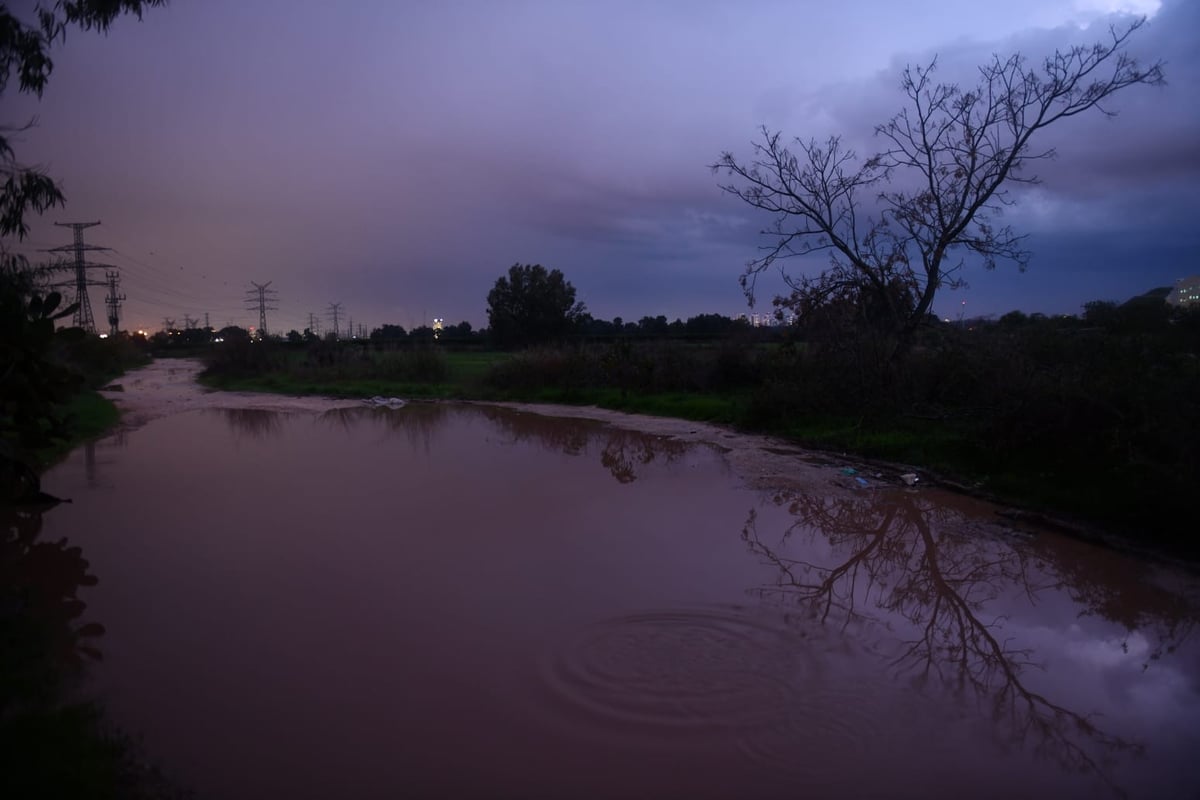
[(470, 601)]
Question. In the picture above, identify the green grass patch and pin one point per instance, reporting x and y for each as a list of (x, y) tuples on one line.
[(716, 408), (470, 368), (86, 416), (280, 383)]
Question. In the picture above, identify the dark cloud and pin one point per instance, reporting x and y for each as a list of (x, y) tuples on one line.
[(398, 158)]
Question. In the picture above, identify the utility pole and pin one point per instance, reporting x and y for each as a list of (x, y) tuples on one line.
[(314, 324), (113, 301), (334, 308), (349, 327), (206, 325), (83, 312), (261, 296)]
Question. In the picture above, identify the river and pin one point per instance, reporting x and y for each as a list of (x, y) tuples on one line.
[(309, 598)]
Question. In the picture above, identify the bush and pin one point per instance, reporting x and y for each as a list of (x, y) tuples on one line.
[(244, 357)]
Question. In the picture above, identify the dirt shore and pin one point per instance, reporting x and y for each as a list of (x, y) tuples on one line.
[(168, 386)]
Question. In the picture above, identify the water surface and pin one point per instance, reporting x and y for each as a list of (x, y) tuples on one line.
[(465, 601)]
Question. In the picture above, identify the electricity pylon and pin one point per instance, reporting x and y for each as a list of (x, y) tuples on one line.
[(83, 312), (261, 296), (113, 301)]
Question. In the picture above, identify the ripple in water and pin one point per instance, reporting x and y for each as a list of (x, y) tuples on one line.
[(794, 699), (685, 669), (856, 714)]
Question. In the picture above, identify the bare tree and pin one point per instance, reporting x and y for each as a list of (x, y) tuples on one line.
[(899, 224)]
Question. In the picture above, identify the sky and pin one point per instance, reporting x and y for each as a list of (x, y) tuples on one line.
[(397, 158)]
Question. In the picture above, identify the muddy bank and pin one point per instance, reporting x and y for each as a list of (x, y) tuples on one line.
[(168, 386)]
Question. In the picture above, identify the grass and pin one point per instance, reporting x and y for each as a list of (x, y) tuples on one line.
[(86, 416)]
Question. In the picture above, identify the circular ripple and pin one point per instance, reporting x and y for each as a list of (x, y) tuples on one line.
[(855, 715), (682, 669)]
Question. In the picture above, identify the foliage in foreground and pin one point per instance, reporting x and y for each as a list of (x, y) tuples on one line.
[(44, 373)]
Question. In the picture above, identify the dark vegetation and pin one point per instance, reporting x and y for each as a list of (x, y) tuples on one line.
[(49, 376), (531, 304)]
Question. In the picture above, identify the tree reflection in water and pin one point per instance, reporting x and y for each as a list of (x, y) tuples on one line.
[(418, 422), (253, 423), (46, 645), (622, 452), (899, 557), (53, 741)]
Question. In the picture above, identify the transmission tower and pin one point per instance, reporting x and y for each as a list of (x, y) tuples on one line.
[(314, 324), (113, 301), (334, 309), (261, 297), (83, 312)]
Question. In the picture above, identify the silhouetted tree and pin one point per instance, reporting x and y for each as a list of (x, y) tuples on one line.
[(532, 305), (898, 224), (457, 332), (25, 49), (388, 333), (232, 333), (653, 326), (712, 325), (421, 333), (31, 379)]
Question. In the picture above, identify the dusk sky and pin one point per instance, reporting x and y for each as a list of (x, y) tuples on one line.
[(398, 157)]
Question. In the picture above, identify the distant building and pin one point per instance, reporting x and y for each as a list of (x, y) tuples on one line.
[(1186, 292), (765, 320)]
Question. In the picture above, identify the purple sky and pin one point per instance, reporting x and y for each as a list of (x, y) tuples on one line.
[(398, 157)]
